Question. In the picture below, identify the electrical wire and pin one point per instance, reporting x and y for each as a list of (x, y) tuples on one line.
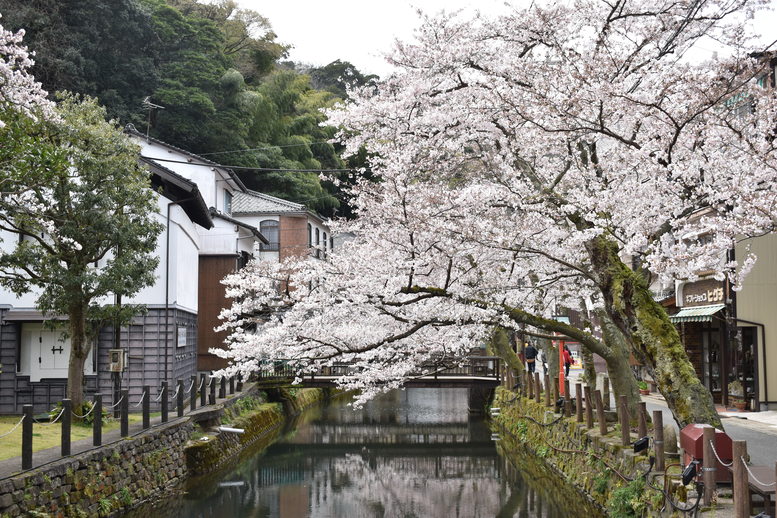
[(246, 168), (269, 148)]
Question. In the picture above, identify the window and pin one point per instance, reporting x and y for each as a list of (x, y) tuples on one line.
[(331, 243), (324, 245), (227, 202), (269, 229), (318, 243), (310, 235)]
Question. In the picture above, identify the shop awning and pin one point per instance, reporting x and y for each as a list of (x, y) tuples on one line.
[(696, 314)]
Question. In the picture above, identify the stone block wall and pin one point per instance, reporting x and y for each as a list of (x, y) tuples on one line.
[(598, 467), (206, 456), (101, 482)]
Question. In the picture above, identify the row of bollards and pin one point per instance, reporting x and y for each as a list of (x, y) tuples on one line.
[(65, 416), (588, 401), (591, 405)]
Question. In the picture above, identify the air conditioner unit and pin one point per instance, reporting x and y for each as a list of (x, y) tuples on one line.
[(117, 360)]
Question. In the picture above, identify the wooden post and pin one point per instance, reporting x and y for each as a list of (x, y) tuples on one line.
[(212, 393), (179, 398), (624, 418), (589, 408), (165, 401), (600, 413), (658, 439), (222, 387), (567, 399), (203, 394), (231, 385), (710, 464), (240, 382), (537, 387), (67, 420), (547, 390), (193, 393), (606, 392), (146, 407), (27, 437), (740, 482), (555, 391), (97, 423), (579, 402), (642, 420), (124, 412)]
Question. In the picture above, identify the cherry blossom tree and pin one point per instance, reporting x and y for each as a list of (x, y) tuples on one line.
[(556, 156), (18, 89)]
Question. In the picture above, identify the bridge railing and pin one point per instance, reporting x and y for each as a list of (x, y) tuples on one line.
[(475, 367)]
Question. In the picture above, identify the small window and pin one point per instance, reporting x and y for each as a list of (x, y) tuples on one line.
[(310, 235), (317, 253), (227, 202), (269, 229), (331, 243)]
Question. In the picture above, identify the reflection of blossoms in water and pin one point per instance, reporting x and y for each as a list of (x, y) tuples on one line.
[(362, 485)]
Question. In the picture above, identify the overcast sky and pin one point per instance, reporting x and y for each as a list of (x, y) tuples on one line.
[(360, 31)]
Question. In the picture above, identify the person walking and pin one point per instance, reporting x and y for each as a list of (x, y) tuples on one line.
[(567, 360), (530, 353)]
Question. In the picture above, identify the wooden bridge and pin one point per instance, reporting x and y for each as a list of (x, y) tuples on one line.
[(480, 374), (482, 371)]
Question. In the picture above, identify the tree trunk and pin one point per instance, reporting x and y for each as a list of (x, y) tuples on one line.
[(79, 349), (500, 346), (589, 369), (630, 304), (622, 380)]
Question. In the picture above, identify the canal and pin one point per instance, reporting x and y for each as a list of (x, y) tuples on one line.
[(409, 453)]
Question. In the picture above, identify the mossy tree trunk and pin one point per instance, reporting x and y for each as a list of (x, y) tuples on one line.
[(589, 369), (622, 380), (639, 317), (500, 346)]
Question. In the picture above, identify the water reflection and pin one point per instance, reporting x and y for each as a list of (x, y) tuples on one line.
[(411, 453)]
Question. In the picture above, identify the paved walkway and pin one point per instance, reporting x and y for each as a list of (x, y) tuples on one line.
[(759, 429)]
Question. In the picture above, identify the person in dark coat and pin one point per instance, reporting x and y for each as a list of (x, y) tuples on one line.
[(530, 353)]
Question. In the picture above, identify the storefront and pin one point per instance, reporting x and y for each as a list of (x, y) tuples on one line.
[(722, 353)]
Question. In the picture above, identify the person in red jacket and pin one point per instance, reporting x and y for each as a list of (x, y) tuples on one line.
[(567, 355)]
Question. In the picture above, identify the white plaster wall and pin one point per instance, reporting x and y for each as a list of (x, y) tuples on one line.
[(220, 239), (184, 252), (26, 300)]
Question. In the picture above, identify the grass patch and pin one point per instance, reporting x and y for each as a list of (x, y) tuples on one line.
[(45, 437)]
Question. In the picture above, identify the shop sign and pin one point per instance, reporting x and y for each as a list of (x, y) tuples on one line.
[(703, 293)]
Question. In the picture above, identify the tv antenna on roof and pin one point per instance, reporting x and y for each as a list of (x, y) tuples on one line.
[(148, 105)]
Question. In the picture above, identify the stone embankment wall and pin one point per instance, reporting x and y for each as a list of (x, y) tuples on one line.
[(209, 453), (127, 473), (595, 465), (102, 481)]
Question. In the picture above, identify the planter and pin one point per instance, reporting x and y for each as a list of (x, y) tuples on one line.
[(644, 392), (740, 405)]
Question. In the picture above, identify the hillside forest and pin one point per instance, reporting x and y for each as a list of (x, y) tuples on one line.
[(211, 78)]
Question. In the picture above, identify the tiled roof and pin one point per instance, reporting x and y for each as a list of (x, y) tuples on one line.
[(253, 202)]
